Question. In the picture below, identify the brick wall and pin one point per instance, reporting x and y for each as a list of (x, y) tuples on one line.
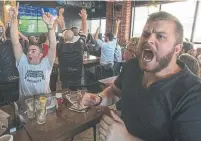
[(119, 10), (1, 10)]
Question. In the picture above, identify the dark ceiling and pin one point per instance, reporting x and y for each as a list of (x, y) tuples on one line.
[(94, 8)]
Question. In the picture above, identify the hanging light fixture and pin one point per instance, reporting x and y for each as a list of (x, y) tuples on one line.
[(7, 5)]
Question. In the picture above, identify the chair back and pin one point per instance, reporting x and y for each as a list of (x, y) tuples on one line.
[(98, 72), (9, 92)]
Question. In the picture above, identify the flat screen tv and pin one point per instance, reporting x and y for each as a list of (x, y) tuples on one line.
[(30, 18)]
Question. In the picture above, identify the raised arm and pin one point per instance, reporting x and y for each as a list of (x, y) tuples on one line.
[(48, 20), (96, 34), (4, 31), (17, 48), (24, 38), (55, 24), (116, 30), (83, 15), (60, 22)]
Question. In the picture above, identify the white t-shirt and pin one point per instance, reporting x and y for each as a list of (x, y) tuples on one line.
[(34, 79)]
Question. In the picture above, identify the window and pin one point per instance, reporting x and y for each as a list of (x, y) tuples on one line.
[(141, 15), (184, 11), (95, 23), (197, 34)]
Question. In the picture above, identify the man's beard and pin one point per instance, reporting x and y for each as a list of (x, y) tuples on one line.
[(163, 63)]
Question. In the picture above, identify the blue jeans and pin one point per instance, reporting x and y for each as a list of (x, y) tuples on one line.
[(117, 67)]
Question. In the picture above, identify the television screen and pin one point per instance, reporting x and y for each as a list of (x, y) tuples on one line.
[(30, 18)]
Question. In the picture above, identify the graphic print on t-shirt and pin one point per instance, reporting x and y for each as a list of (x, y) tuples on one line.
[(34, 76)]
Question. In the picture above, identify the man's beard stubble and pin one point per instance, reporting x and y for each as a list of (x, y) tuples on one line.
[(163, 63)]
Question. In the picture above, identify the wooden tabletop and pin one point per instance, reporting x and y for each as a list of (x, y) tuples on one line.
[(91, 59), (60, 126), (21, 134)]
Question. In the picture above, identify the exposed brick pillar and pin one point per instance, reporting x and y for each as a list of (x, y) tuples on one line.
[(109, 16), (122, 10)]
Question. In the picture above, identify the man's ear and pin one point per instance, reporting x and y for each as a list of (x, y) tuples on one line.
[(178, 49), (41, 54)]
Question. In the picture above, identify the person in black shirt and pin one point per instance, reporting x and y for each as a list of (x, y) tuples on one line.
[(161, 98), (9, 76), (70, 59), (8, 70)]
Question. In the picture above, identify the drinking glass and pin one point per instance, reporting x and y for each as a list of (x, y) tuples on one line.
[(3, 124), (6, 137), (41, 111), (30, 107), (85, 55), (81, 92)]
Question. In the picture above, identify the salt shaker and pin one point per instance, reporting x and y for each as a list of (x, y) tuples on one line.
[(59, 101)]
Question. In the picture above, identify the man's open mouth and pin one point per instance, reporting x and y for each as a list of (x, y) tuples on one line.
[(147, 55), (30, 58)]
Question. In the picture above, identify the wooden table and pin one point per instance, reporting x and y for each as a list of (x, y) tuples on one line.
[(86, 61), (91, 61), (60, 126), (21, 134)]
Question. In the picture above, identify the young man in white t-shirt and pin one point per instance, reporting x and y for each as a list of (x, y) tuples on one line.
[(34, 72)]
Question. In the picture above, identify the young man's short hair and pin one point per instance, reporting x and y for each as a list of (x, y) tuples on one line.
[(110, 36)]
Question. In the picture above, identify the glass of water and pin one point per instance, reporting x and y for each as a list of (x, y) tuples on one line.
[(30, 107), (41, 111)]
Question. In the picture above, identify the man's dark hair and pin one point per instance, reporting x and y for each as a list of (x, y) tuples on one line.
[(187, 46), (164, 16), (7, 32), (110, 36), (100, 36), (72, 28), (43, 37), (75, 30), (191, 62)]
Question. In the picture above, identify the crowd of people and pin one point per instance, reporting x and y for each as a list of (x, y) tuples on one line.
[(158, 83)]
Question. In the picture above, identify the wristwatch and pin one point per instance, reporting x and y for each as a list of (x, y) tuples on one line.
[(101, 99), (50, 26)]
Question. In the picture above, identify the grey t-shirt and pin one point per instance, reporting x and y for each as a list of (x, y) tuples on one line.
[(34, 79)]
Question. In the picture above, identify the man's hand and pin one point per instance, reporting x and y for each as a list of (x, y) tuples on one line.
[(14, 33), (90, 99), (47, 18), (118, 21), (98, 28), (25, 39), (113, 128), (13, 12), (83, 14), (116, 30)]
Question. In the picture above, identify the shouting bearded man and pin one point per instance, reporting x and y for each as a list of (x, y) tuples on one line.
[(161, 98)]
